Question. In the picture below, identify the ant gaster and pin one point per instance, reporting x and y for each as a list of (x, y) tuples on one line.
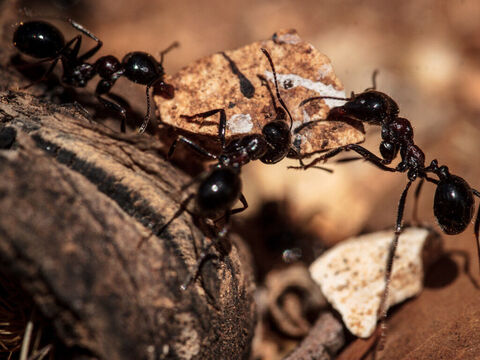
[(44, 41), (220, 187), (453, 204)]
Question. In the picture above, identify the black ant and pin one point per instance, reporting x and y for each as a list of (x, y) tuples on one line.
[(220, 187), (42, 40), (453, 204)]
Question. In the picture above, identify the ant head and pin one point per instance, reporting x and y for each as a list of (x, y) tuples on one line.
[(219, 191), (278, 136), (453, 204), (142, 68), (38, 39), (388, 150), (371, 106)]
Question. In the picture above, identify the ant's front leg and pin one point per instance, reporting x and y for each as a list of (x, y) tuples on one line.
[(103, 88), (222, 125), (366, 155), (194, 146)]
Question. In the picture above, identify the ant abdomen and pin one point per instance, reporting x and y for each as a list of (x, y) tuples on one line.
[(218, 192), (278, 136), (38, 39), (142, 68), (453, 204)]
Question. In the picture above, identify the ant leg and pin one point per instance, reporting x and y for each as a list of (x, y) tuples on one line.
[(205, 253), (180, 211), (306, 125), (88, 54), (366, 155), (44, 76), (200, 150), (383, 308), (415, 201), (172, 46), (103, 88), (222, 125), (243, 208), (235, 211)]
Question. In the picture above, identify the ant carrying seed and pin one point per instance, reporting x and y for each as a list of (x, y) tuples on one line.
[(44, 41), (220, 187), (453, 204)]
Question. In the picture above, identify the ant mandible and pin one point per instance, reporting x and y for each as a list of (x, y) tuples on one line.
[(453, 204), (44, 41), (220, 187)]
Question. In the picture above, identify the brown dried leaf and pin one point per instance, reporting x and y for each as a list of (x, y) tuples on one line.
[(231, 80)]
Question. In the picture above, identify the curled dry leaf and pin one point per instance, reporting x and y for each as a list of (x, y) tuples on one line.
[(232, 80), (291, 295), (351, 274)]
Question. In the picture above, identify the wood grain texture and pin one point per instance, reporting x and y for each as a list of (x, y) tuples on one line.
[(76, 199)]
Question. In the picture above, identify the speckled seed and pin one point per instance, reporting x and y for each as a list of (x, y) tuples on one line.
[(351, 274)]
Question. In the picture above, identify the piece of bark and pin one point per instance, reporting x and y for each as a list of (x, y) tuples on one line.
[(322, 342), (77, 199), (231, 80)]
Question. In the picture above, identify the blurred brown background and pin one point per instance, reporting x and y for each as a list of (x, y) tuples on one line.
[(428, 55)]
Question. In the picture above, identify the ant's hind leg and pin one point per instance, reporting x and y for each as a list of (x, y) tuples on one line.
[(44, 76), (383, 308), (205, 253), (89, 53)]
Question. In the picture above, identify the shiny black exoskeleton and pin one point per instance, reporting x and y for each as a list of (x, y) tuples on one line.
[(220, 187), (453, 204), (270, 147), (44, 41)]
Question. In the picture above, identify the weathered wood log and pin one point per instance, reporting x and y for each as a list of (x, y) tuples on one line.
[(76, 200)]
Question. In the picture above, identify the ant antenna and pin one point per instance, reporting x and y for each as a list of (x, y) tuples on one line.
[(323, 97), (280, 100), (374, 80), (172, 46), (146, 119)]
